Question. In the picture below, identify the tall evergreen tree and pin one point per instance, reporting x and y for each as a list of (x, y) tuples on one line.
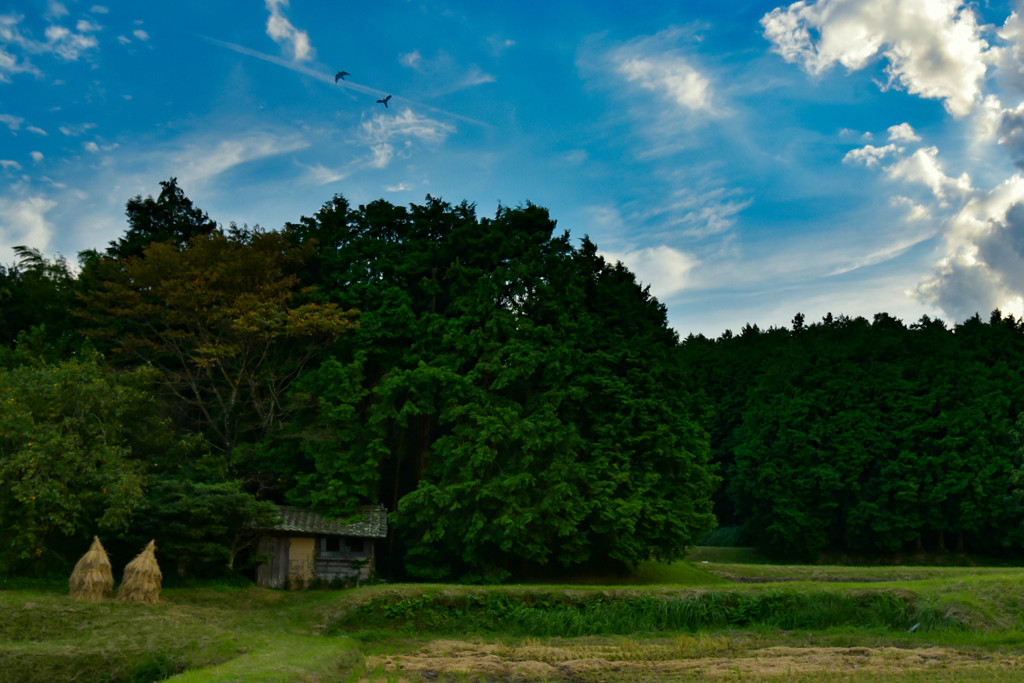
[(504, 391)]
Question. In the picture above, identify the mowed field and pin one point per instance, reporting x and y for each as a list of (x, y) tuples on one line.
[(708, 619)]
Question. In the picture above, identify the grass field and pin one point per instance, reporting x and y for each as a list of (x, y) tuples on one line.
[(713, 618)]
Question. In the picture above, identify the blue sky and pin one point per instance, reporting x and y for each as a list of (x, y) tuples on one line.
[(747, 160)]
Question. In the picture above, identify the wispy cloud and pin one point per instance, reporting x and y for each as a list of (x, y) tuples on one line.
[(77, 130), (17, 45), (295, 42), (444, 73), (55, 10), (202, 161), (328, 78), (318, 174)]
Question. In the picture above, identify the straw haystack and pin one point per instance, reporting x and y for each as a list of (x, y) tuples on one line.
[(92, 578), (142, 577)]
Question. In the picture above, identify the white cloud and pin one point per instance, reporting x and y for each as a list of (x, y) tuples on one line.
[(664, 269), (91, 147), (124, 40), (382, 155), (23, 222), (69, 45), (984, 264), (140, 34), (923, 167), (413, 60), (657, 65), (405, 125), (1006, 126), (35, 129), (10, 165), (12, 40), (55, 10), (76, 130), (99, 9), (933, 48), (283, 33), (869, 155), (1011, 59), (12, 122), (903, 132), (671, 76), (400, 187), (37, 156), (915, 211)]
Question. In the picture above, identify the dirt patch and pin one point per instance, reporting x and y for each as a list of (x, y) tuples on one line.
[(670, 660)]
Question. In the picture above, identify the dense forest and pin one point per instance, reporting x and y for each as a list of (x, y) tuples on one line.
[(514, 401), (519, 404), (867, 437)]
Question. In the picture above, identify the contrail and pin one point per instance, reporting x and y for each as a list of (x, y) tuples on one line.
[(329, 79)]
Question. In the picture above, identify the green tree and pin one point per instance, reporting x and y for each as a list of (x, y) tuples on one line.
[(505, 391), (171, 217), (222, 317), (36, 297), (73, 437), (201, 528)]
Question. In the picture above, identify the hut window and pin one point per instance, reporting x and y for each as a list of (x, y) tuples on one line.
[(356, 545), (332, 545)]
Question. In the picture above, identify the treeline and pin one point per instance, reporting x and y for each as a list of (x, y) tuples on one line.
[(519, 404), (515, 401), (867, 437)]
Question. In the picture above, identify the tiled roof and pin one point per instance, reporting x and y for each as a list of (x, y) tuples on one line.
[(367, 522)]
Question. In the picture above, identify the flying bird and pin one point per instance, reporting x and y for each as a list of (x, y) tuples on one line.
[(340, 75), (385, 101)]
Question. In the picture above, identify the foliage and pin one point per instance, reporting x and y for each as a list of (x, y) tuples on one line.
[(201, 528), (72, 436), (36, 297), (511, 395), (224, 320), (866, 437), (171, 217)]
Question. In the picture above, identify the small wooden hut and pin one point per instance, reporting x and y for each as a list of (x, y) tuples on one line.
[(305, 547)]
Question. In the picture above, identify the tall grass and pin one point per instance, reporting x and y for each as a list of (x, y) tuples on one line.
[(547, 614)]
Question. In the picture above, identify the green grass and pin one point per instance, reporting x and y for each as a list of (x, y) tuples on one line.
[(547, 613), (721, 613)]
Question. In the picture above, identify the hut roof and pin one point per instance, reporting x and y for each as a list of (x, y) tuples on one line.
[(367, 522)]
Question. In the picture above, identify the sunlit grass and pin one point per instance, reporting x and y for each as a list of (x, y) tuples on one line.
[(852, 623)]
